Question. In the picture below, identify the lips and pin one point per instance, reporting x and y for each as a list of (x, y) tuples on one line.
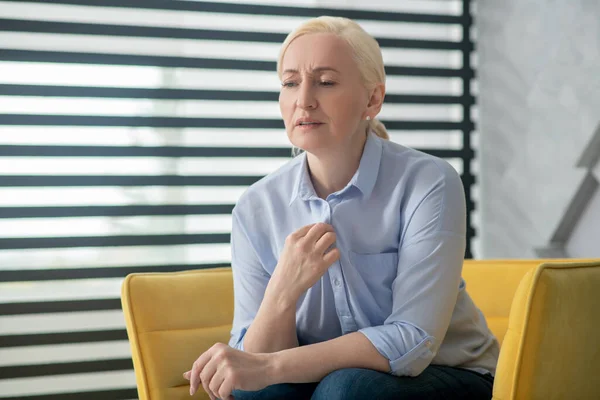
[(305, 121)]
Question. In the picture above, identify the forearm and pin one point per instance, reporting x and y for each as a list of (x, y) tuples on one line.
[(313, 362), (274, 327)]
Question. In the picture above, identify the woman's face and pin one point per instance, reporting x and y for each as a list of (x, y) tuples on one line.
[(321, 83)]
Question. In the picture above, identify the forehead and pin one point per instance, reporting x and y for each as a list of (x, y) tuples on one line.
[(314, 50)]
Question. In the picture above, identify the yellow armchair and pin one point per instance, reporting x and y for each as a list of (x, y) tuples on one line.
[(545, 314)]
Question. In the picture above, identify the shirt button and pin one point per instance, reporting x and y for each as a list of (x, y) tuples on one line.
[(337, 282)]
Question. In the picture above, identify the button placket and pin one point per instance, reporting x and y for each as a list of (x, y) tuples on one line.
[(326, 213), (339, 293), (342, 306)]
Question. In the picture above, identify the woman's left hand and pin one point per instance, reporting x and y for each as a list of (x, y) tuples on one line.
[(221, 369)]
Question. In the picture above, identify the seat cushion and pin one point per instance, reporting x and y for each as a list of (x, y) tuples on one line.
[(492, 285)]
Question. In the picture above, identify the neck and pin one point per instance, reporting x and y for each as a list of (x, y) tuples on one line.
[(331, 171)]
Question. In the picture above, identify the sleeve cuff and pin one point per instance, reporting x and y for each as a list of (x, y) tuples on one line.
[(239, 342), (409, 351)]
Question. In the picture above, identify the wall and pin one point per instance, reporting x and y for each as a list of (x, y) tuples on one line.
[(539, 126)]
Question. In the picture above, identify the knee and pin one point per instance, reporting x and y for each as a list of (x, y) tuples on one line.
[(288, 391), (242, 395), (340, 384)]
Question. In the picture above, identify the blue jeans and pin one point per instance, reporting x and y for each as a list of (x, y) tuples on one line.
[(436, 382)]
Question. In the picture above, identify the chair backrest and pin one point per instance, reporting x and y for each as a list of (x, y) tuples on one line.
[(171, 319), (551, 348)]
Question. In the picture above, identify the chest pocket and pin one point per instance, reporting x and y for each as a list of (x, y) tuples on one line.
[(374, 260), (378, 272)]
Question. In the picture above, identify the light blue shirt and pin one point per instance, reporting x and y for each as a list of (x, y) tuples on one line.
[(400, 225)]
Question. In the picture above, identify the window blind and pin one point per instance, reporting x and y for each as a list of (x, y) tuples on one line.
[(128, 130)]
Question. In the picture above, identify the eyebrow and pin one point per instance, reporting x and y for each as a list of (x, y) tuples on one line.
[(318, 69)]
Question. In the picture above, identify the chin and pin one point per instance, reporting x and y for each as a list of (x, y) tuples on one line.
[(308, 142)]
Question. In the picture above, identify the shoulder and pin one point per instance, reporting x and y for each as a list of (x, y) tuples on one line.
[(417, 174), (417, 171), (429, 188)]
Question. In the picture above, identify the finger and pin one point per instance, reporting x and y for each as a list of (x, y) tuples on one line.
[(217, 381), (205, 386), (186, 375), (331, 256), (197, 369), (194, 378), (317, 231), (206, 377), (325, 242), (211, 397), (302, 231), (226, 389)]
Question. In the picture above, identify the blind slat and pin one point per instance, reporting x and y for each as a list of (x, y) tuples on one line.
[(57, 369), (147, 108), (14, 228), (139, 166), (82, 13), (197, 62), (111, 241), (110, 196), (106, 383), (35, 355), (76, 321), (62, 338), (119, 256), (230, 7), (181, 122), (219, 81), (40, 27), (84, 273), (199, 94), (56, 136)]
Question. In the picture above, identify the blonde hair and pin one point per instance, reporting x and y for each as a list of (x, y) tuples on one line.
[(365, 52)]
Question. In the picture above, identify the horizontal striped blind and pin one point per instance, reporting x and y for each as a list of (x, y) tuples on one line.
[(129, 129)]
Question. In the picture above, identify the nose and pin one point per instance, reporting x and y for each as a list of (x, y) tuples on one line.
[(306, 97)]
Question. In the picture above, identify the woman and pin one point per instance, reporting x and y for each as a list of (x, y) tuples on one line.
[(347, 260)]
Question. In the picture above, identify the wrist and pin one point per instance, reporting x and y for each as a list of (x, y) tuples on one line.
[(274, 372), (282, 298)]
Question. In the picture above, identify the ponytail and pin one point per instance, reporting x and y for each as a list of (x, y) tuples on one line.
[(377, 126)]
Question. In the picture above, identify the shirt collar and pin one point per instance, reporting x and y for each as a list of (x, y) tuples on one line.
[(364, 178), (368, 170), (303, 186)]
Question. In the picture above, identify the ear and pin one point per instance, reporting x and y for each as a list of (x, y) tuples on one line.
[(376, 96)]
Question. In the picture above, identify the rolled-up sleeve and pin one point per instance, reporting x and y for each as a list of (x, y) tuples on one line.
[(249, 280), (425, 289)]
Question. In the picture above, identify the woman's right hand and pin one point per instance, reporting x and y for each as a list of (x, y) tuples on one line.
[(304, 260)]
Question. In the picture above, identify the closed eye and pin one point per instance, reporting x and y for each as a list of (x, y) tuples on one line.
[(292, 84)]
